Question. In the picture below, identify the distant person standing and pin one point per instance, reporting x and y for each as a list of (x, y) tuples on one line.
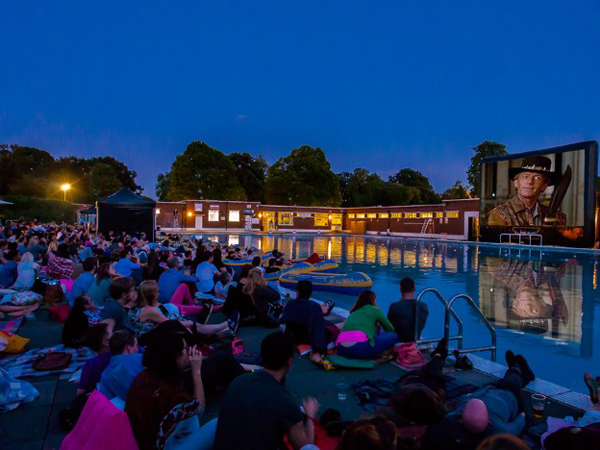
[(402, 313)]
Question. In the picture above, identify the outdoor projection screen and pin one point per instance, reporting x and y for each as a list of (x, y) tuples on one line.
[(550, 192)]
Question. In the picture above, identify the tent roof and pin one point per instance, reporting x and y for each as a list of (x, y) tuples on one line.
[(125, 196)]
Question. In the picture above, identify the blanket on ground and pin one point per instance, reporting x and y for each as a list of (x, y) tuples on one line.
[(11, 326), (21, 365), (14, 392)]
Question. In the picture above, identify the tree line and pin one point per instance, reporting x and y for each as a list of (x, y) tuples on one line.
[(304, 177)]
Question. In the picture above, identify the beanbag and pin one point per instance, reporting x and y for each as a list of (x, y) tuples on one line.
[(60, 312), (340, 361), (11, 343)]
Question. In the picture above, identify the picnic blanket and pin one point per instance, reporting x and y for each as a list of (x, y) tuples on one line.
[(14, 392), (21, 366), (11, 326)]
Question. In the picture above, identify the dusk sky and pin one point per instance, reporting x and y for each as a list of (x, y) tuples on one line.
[(377, 84)]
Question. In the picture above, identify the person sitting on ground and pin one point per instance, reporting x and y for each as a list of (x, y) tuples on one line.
[(96, 339), (223, 285), (218, 261), (205, 273), (60, 265), (8, 268), (238, 301), (124, 366), (257, 411), (146, 313), (272, 268), (402, 313), (98, 291), (26, 273), (116, 309), (305, 322), (171, 279), (35, 248), (504, 441), (162, 414), (128, 263), (83, 281), (265, 299), (495, 408), (77, 323), (359, 338), (376, 433)]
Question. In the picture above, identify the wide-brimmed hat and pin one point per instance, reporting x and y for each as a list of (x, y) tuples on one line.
[(538, 164)]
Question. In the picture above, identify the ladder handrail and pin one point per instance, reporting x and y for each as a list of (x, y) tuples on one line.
[(459, 322), (486, 322)]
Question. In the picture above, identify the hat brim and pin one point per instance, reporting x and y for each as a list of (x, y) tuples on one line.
[(554, 177)]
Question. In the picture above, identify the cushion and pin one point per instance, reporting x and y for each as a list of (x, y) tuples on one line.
[(60, 312), (340, 361)]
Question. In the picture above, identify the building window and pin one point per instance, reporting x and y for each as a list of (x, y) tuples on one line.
[(452, 214), (213, 215), (396, 215), (321, 220), (197, 206), (234, 216), (383, 215), (371, 216), (439, 215), (285, 218), (360, 216), (336, 219), (410, 215), (427, 215), (351, 216)]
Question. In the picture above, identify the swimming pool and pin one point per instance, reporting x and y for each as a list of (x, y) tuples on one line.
[(542, 303)]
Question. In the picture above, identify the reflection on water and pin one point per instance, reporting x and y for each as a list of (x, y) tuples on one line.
[(542, 304)]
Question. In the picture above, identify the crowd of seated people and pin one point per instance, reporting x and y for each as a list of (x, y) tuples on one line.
[(155, 359)]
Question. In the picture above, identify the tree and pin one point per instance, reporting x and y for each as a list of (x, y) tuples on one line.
[(458, 190), (201, 172), (413, 178), (251, 173), (163, 184), (343, 179), (483, 150), (103, 181), (303, 178)]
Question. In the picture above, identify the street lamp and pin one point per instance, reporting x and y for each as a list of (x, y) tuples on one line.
[(65, 187)]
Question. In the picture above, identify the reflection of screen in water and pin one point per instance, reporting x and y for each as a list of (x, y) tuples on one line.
[(532, 297)]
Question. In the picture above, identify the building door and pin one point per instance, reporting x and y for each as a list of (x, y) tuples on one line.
[(198, 222), (268, 220)]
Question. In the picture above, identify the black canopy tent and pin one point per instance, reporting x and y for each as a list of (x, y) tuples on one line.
[(128, 212)]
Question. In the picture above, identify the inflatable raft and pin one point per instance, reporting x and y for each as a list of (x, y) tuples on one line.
[(303, 267), (340, 283)]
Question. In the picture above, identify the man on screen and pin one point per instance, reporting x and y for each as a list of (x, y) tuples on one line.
[(524, 209)]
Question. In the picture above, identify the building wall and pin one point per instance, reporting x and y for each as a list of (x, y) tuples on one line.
[(450, 217)]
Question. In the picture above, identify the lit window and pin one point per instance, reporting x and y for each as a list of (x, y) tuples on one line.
[(360, 216), (452, 214), (234, 216), (321, 220), (439, 215), (427, 215), (336, 219), (351, 216), (396, 215), (371, 216), (213, 215), (410, 215), (383, 215), (285, 218)]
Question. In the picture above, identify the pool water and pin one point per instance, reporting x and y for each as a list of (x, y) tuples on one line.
[(543, 304)]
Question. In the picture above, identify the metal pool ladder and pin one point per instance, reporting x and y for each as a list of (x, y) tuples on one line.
[(449, 312)]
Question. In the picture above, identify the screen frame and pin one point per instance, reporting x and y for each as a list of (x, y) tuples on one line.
[(591, 175)]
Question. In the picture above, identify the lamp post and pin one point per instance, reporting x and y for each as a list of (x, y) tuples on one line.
[(65, 187)]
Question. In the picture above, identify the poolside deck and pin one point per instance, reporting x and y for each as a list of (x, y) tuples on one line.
[(35, 425)]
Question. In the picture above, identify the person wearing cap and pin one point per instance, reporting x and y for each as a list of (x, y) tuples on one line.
[(530, 181)]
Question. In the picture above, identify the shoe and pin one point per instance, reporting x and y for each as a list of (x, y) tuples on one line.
[(462, 362), (234, 322), (330, 305), (510, 358), (526, 372), (441, 349), (204, 315)]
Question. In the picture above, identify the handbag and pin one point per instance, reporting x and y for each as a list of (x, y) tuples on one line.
[(52, 361), (54, 294)]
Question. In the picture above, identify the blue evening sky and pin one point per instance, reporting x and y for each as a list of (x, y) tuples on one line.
[(376, 84)]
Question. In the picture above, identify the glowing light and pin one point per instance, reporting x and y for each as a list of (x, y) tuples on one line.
[(190, 214), (65, 187), (157, 211)]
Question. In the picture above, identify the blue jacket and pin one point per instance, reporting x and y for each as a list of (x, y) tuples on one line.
[(80, 286), (119, 374), (169, 281)]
